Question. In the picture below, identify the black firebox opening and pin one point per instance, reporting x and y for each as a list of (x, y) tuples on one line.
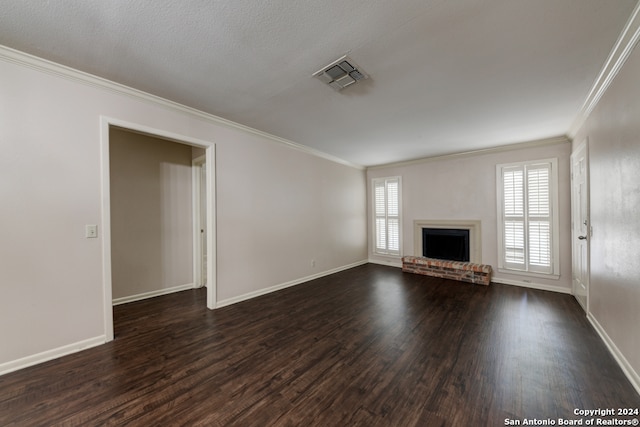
[(445, 243)]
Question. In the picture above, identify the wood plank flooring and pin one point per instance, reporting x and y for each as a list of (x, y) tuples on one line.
[(370, 346)]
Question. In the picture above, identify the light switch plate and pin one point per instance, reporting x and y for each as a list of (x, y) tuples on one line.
[(91, 231)]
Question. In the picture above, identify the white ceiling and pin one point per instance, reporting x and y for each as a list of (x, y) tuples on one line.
[(445, 76)]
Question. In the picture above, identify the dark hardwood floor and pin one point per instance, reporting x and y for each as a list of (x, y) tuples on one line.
[(370, 346)]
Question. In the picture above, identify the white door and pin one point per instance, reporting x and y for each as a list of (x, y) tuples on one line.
[(580, 224)]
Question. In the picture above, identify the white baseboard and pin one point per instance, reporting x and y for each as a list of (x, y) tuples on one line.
[(626, 367), (532, 285), (151, 294), (254, 294), (45, 356), (387, 262)]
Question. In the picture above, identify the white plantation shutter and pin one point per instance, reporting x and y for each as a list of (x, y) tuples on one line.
[(381, 234), (526, 222), (514, 242), (539, 203), (540, 243), (393, 220), (538, 191), (393, 245), (513, 190), (386, 194), (381, 215)]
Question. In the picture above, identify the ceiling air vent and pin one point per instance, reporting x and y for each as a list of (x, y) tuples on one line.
[(341, 73)]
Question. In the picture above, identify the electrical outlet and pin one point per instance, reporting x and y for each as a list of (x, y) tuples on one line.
[(313, 263), (91, 231)]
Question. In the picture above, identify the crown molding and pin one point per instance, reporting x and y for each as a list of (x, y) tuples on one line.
[(39, 64), (498, 149), (619, 54)]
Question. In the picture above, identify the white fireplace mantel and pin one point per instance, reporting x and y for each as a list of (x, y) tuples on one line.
[(475, 234)]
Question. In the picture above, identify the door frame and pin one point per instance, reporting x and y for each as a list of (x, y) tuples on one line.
[(196, 165), (106, 123), (575, 207)]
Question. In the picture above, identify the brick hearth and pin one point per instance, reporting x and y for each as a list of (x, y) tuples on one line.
[(479, 274)]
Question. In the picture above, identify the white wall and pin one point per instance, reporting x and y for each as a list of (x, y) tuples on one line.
[(464, 188), (278, 207), (613, 133), (287, 209), (151, 214)]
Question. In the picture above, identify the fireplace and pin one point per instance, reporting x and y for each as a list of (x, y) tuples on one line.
[(450, 244), (470, 227)]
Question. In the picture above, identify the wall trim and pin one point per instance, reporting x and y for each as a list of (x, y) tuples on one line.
[(264, 291), (40, 64), (151, 294), (55, 353), (532, 285), (621, 51), (624, 364), (462, 154)]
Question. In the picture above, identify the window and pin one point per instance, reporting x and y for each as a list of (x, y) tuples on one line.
[(386, 206), (527, 217)]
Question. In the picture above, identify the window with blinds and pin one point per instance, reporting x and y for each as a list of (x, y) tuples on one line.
[(527, 224), (386, 206)]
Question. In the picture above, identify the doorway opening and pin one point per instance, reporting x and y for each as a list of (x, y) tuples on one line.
[(200, 230), (206, 189)]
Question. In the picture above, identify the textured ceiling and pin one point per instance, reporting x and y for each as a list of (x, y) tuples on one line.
[(445, 76)]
